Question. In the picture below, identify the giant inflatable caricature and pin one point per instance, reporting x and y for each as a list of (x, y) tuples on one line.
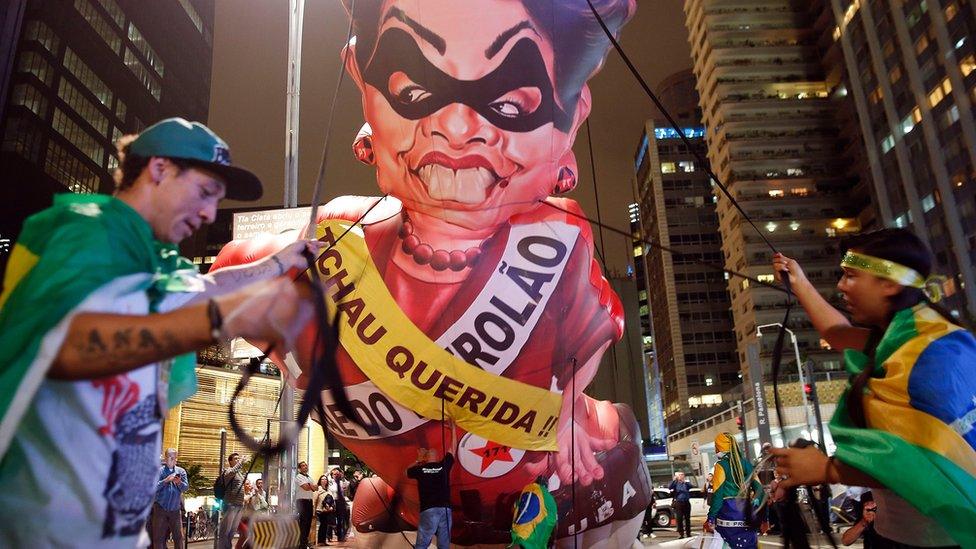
[(462, 295)]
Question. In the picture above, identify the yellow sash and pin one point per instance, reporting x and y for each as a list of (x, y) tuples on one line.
[(412, 369)]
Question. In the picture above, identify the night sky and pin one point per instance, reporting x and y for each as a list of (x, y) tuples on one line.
[(247, 104)]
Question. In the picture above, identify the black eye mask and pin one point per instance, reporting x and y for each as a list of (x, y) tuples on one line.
[(522, 68)]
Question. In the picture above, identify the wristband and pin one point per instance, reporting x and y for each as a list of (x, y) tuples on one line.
[(216, 320)]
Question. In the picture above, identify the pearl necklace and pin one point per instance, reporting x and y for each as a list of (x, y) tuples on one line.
[(439, 260)]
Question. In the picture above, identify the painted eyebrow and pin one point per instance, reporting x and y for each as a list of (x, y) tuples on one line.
[(504, 37), (432, 38)]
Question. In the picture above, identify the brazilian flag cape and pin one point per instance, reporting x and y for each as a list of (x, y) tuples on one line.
[(65, 254), (920, 406), (535, 517)]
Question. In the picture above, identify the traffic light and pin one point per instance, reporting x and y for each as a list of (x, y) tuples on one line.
[(738, 421), (808, 389)]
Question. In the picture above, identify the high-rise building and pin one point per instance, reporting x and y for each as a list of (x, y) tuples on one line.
[(687, 303), (910, 68), (774, 110), (82, 74)]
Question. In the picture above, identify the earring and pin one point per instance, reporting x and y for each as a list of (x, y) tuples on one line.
[(363, 149), (565, 181)]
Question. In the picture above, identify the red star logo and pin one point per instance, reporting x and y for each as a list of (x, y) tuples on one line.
[(490, 453)]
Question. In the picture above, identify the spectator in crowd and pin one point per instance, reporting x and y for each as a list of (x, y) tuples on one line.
[(230, 518), (170, 485), (324, 505), (339, 489), (681, 503), (304, 490), (709, 489), (259, 498), (864, 527), (242, 527)]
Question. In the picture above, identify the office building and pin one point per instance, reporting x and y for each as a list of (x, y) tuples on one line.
[(775, 112), (687, 302), (83, 73), (910, 69)]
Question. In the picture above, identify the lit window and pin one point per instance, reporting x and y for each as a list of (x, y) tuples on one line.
[(946, 85), (770, 226), (80, 70), (114, 11), (935, 96), (952, 115), (78, 136), (795, 172), (800, 191), (145, 49), (33, 63), (900, 221), (88, 111), (950, 12), (99, 24), (794, 225), (142, 73), (907, 125), (668, 167), (638, 251), (928, 203), (824, 344), (967, 65), (687, 166), (41, 33), (776, 193), (922, 43), (917, 115), (27, 95), (887, 144), (765, 278), (709, 382)]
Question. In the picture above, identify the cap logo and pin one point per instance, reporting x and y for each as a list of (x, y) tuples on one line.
[(221, 155)]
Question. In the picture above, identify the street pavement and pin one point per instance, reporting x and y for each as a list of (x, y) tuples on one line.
[(662, 538)]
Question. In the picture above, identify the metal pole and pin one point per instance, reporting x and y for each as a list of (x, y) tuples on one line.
[(296, 16), (220, 473), (745, 431), (799, 371), (816, 403)]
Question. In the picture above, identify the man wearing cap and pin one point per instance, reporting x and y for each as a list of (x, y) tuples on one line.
[(99, 320)]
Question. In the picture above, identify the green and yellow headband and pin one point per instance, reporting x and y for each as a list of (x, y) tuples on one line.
[(883, 268)]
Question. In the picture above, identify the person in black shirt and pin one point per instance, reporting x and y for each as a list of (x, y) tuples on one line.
[(864, 527), (434, 487)]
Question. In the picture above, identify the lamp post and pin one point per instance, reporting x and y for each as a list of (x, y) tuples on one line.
[(799, 371)]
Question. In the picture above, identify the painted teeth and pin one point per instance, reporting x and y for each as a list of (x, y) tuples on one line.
[(468, 185)]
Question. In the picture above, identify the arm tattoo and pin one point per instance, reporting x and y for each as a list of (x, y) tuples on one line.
[(147, 347)]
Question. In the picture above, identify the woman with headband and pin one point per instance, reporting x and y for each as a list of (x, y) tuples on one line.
[(905, 425)]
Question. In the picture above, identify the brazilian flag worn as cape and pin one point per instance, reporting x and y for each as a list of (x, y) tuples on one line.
[(64, 254), (535, 517), (920, 406)]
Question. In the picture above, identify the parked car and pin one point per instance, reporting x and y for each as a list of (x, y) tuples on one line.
[(663, 512)]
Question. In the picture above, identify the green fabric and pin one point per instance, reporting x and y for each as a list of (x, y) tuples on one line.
[(535, 518), (81, 243), (729, 487), (934, 485)]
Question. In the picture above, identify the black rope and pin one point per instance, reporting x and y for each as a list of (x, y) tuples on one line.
[(664, 248), (691, 147)]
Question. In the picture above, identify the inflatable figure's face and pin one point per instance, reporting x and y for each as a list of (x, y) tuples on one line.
[(466, 124)]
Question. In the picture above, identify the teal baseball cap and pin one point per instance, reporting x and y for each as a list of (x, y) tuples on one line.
[(180, 138)]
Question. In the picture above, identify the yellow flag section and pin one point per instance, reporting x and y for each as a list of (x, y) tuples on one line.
[(411, 368)]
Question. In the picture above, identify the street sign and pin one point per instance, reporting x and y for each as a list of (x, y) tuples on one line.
[(758, 393)]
